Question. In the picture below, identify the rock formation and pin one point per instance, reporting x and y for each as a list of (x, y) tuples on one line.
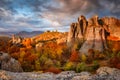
[(113, 25), (16, 40), (82, 24), (95, 36), (103, 73), (77, 30), (94, 32), (8, 63)]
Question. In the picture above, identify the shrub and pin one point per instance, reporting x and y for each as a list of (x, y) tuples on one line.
[(53, 70), (15, 55), (57, 63), (27, 67), (48, 63), (43, 59), (81, 67), (69, 66), (115, 61), (74, 56), (83, 58), (90, 55), (37, 65), (95, 65)]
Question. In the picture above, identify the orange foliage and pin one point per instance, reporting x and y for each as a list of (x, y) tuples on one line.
[(53, 70), (115, 62), (53, 49), (116, 46), (15, 55), (74, 56), (113, 38), (13, 49), (32, 57), (118, 65), (23, 49), (27, 42)]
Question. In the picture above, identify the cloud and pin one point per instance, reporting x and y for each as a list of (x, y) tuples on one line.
[(18, 15)]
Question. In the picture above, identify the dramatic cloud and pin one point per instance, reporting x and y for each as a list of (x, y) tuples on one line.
[(30, 15)]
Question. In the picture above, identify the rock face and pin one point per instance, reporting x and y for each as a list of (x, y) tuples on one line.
[(77, 30), (94, 32), (8, 63), (113, 25), (95, 36), (103, 73)]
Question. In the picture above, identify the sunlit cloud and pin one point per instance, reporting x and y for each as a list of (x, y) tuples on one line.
[(30, 15)]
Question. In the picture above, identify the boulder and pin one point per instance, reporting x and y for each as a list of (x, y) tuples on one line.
[(8, 63), (82, 76), (65, 75), (107, 73), (103, 73)]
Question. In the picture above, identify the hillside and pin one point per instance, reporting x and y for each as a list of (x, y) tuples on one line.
[(50, 36)]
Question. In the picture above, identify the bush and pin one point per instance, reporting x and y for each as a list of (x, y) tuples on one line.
[(37, 65), (115, 62), (48, 63), (43, 59), (83, 58), (81, 67), (74, 56), (53, 70), (95, 65), (69, 66)]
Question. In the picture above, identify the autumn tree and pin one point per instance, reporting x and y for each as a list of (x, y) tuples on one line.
[(74, 56)]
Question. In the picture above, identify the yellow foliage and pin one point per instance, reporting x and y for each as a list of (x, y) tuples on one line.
[(22, 54), (83, 57), (27, 42)]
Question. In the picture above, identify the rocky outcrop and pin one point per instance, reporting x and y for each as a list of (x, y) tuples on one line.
[(8, 63), (77, 30), (16, 40), (61, 40), (94, 32), (95, 36), (113, 25), (38, 46), (103, 73)]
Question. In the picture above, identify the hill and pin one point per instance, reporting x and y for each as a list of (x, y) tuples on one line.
[(28, 34), (21, 34), (50, 36)]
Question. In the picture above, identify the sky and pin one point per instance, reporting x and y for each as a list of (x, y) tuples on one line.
[(42, 15)]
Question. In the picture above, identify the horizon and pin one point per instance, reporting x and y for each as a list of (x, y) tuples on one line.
[(43, 15)]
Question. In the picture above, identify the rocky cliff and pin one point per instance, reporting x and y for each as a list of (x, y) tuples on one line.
[(94, 32)]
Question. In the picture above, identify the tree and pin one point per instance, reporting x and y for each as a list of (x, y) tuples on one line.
[(74, 56)]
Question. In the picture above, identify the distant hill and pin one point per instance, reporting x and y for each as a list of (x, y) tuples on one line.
[(22, 34), (7, 34), (28, 34)]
